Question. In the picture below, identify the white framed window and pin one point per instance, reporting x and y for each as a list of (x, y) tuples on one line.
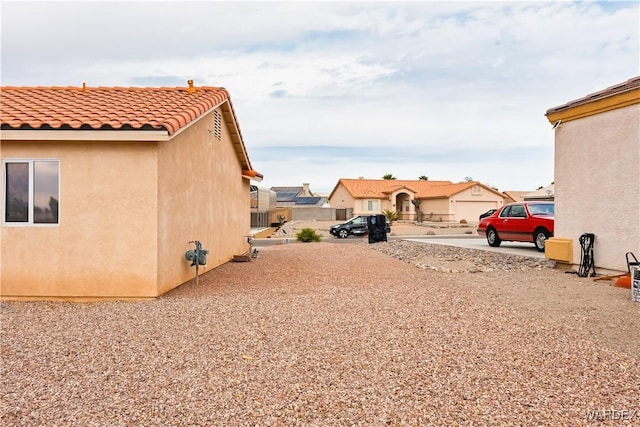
[(476, 190), (31, 191), (372, 205)]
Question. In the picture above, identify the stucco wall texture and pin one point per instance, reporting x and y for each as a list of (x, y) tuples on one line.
[(127, 213), (597, 184), (204, 199)]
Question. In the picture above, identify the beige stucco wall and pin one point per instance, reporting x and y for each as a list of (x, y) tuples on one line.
[(360, 206), (201, 196), (341, 199), (435, 209), (104, 245), (597, 184)]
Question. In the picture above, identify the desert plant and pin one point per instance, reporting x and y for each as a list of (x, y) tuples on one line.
[(416, 203), (391, 215), (463, 221), (308, 235)]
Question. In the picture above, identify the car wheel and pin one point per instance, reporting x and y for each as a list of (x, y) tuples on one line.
[(343, 234), (492, 238), (539, 238)]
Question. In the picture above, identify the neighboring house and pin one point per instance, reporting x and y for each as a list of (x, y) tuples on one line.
[(545, 193), (263, 206), (511, 196), (300, 204), (104, 188), (439, 200), (597, 172), (297, 196)]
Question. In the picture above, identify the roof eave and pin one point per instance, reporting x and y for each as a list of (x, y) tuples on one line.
[(85, 135), (579, 109)]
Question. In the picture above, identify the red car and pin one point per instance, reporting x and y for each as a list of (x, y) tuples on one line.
[(519, 222)]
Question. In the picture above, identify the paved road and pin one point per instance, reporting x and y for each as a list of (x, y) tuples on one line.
[(470, 242)]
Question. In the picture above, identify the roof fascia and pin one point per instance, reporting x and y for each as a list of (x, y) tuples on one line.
[(590, 108), (85, 135)]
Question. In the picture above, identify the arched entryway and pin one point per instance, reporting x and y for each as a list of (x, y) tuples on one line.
[(403, 207)]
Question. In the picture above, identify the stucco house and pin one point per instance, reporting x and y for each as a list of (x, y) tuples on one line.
[(544, 193), (597, 173), (104, 188), (439, 200), (512, 196)]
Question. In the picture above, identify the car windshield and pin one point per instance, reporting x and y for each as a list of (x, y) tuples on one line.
[(542, 209)]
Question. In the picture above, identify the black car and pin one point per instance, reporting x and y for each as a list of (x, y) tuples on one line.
[(356, 226)]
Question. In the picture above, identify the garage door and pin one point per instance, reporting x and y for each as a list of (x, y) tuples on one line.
[(472, 210)]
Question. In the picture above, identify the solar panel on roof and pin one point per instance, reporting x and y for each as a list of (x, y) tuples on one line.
[(286, 196), (307, 200)]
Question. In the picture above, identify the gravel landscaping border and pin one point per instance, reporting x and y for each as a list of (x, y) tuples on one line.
[(326, 334)]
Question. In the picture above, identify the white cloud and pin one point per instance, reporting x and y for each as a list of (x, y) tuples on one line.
[(468, 77)]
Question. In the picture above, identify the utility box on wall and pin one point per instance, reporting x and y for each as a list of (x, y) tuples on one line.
[(559, 249), (635, 284)]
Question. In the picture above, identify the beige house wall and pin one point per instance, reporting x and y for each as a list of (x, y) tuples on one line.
[(201, 196), (341, 199), (597, 184), (128, 211), (360, 206), (435, 210), (103, 246)]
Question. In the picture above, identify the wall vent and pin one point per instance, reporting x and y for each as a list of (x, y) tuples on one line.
[(217, 125)]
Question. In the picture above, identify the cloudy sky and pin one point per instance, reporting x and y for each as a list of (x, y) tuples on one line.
[(330, 90)]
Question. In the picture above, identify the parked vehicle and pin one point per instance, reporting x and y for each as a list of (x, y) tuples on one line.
[(356, 226), (519, 222), (487, 213)]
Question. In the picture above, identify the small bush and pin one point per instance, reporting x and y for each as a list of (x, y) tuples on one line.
[(308, 235), (391, 215), (463, 221)]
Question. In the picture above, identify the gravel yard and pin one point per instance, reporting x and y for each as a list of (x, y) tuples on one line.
[(326, 334)]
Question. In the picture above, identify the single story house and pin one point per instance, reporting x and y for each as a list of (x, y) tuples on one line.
[(597, 173), (297, 197), (512, 196), (544, 193), (105, 189), (300, 204), (438, 200)]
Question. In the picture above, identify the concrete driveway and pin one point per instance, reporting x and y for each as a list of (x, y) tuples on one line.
[(514, 248)]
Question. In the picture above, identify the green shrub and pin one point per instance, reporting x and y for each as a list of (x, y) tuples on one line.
[(463, 221), (308, 235), (391, 215)]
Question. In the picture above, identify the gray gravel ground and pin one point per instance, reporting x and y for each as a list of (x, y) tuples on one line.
[(331, 335)]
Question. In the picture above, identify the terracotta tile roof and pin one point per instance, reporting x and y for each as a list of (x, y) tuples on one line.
[(381, 188), (445, 191), (105, 108)]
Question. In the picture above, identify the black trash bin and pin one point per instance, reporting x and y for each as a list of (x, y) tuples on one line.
[(377, 227)]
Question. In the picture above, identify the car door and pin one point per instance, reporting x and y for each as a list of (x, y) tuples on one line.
[(512, 223), (359, 225)]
